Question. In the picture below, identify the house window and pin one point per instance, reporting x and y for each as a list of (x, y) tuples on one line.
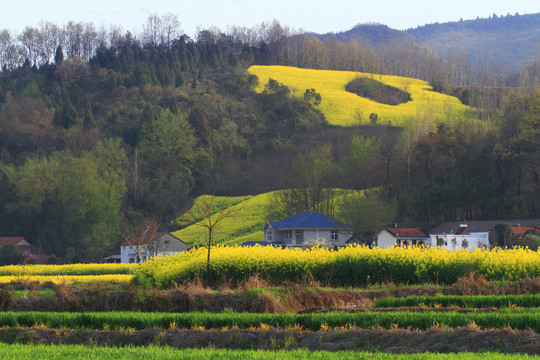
[(166, 242), (131, 260), (269, 236), (299, 236), (334, 235), (288, 236)]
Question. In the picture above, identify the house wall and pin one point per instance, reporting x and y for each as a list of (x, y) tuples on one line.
[(168, 244), (385, 239), (455, 242), (310, 234), (270, 235), (127, 253)]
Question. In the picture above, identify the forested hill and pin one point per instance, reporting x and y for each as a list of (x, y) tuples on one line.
[(508, 40), (500, 44), (104, 130)]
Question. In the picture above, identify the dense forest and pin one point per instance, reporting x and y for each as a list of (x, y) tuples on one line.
[(101, 128)]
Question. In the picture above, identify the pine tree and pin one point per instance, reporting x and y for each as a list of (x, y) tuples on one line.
[(59, 56), (88, 122)]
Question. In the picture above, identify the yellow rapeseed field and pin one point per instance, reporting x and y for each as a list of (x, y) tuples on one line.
[(351, 266), (70, 269), (341, 107), (68, 279)]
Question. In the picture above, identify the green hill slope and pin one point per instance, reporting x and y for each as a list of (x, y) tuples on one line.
[(246, 226)]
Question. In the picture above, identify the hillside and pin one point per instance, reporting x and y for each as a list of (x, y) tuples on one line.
[(246, 226), (343, 108), (500, 40), (375, 34), (252, 213)]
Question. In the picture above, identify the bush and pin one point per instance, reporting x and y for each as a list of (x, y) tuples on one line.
[(52, 260), (377, 91), (9, 255)]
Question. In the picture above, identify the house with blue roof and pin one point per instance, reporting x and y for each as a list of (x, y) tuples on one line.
[(299, 229)]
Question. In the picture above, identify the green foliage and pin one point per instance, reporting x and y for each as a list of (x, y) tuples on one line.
[(308, 186), (373, 118), (377, 91), (312, 97), (9, 255), (367, 212)]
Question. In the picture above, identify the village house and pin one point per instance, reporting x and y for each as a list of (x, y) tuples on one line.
[(473, 235), (25, 248), (306, 228), (160, 244), (394, 236)]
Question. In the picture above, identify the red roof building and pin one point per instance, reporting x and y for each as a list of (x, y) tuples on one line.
[(521, 230), (391, 237)]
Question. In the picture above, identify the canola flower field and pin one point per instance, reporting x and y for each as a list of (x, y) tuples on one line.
[(351, 266), (58, 274), (342, 108), (68, 279), (70, 269)]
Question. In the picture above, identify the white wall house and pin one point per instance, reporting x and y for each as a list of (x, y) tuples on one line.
[(160, 245), (392, 237), (305, 227), (472, 241)]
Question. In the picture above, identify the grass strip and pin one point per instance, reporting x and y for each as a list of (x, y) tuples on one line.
[(73, 352), (517, 319), (470, 301)]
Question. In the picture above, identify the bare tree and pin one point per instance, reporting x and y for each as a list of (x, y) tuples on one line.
[(138, 233), (89, 41), (30, 39), (204, 214), (73, 38), (51, 38), (152, 29), (170, 29), (10, 56)]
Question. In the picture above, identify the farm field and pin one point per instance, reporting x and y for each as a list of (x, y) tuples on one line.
[(350, 266), (154, 352), (343, 108), (263, 318)]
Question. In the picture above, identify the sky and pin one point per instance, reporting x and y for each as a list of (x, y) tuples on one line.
[(320, 16)]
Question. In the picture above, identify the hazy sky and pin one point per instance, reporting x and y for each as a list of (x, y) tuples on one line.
[(319, 16)]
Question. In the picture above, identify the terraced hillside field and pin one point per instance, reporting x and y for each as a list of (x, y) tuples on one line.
[(344, 108), (246, 225)]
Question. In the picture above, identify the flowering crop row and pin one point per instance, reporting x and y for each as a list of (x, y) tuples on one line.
[(351, 266), (59, 279), (71, 269), (516, 319)]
